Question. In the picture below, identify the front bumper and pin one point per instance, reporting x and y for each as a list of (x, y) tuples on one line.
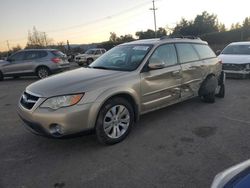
[(237, 74), (58, 123)]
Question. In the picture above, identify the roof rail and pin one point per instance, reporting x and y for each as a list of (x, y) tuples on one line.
[(179, 37)]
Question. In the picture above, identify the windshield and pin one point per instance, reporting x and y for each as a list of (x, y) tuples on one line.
[(237, 50), (90, 52), (123, 58)]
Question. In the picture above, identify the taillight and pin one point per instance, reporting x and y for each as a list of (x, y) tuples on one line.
[(56, 60)]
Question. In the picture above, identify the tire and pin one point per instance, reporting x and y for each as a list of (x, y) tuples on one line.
[(80, 64), (209, 98), (221, 93), (43, 72), (1, 76), (89, 61), (208, 88), (118, 115)]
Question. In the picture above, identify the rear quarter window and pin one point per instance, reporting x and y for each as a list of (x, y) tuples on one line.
[(204, 51)]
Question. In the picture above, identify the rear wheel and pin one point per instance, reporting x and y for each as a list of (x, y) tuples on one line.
[(43, 72), (221, 93), (115, 121), (207, 90)]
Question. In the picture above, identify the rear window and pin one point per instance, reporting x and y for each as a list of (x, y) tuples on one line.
[(237, 50), (204, 51), (58, 53)]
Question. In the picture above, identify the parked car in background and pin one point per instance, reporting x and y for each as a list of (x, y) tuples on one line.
[(39, 62), (237, 176), (89, 56), (236, 59), (129, 80)]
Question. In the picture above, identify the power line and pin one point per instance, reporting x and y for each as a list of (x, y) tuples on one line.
[(99, 20)]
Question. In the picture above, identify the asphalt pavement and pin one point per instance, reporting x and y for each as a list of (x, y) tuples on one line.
[(181, 146)]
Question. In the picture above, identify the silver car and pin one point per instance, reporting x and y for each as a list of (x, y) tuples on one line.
[(129, 80), (39, 62), (89, 56)]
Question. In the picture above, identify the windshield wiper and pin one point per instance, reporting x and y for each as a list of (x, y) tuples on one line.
[(100, 67)]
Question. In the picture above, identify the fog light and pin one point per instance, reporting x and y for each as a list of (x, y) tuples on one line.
[(56, 130)]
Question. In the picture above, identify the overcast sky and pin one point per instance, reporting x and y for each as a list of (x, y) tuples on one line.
[(86, 21)]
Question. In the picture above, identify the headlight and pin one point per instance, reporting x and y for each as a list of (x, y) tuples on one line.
[(61, 101)]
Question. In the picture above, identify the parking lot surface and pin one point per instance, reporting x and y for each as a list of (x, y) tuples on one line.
[(184, 145)]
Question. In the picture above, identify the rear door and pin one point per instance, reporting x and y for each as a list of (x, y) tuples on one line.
[(32, 59), (162, 86), (192, 69)]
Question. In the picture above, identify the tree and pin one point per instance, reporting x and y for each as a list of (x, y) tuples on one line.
[(246, 23), (38, 39), (184, 27), (113, 37), (151, 34), (222, 27), (125, 38), (16, 48), (202, 24), (161, 32)]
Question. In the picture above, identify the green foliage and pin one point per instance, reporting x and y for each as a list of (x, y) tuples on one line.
[(151, 34), (241, 34), (204, 23)]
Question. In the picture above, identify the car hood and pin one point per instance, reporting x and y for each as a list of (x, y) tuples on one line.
[(234, 59), (76, 81)]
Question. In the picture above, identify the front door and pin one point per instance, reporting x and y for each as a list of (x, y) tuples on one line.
[(15, 64), (161, 87)]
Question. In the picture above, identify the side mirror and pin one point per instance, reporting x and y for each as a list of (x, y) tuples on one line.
[(218, 52), (155, 63)]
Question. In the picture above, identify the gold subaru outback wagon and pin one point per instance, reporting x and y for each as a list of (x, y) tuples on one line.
[(129, 80)]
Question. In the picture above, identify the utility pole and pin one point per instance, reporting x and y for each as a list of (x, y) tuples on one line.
[(8, 45), (154, 9)]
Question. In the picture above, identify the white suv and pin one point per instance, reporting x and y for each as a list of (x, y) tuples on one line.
[(89, 56)]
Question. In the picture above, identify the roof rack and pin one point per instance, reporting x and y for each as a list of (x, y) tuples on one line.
[(179, 37)]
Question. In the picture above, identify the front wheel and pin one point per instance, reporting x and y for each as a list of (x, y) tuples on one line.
[(89, 61), (115, 121), (43, 72)]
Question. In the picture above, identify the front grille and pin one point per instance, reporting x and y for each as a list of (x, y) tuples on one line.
[(28, 100), (234, 67)]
